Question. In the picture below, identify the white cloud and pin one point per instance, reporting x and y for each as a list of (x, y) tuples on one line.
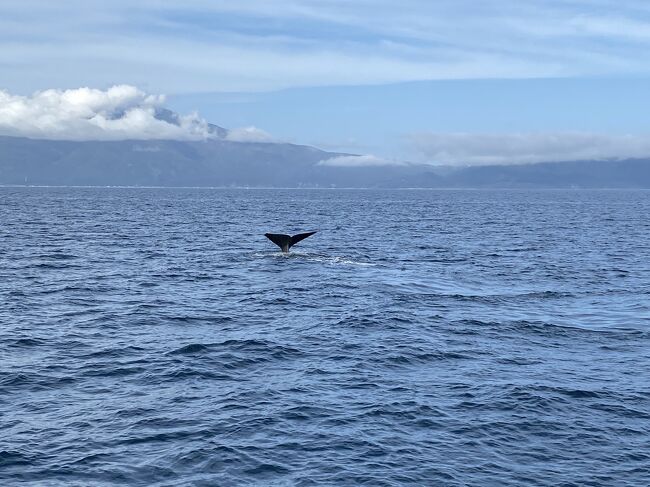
[(257, 45), (121, 112), (359, 161), (485, 149), (249, 134)]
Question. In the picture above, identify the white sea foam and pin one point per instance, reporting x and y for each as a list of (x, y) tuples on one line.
[(311, 257)]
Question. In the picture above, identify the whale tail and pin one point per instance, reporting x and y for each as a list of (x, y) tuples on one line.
[(285, 242)]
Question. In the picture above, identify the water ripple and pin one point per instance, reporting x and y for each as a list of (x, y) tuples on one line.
[(154, 337)]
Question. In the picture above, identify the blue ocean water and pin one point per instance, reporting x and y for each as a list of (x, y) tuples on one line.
[(451, 338)]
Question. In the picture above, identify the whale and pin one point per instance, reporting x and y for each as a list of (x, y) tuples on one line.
[(285, 242)]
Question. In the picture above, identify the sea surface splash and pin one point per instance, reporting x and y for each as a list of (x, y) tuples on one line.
[(454, 338), (315, 257)]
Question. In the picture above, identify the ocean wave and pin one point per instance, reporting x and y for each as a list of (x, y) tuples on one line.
[(413, 346)]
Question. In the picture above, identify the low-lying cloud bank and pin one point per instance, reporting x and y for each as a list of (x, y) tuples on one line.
[(249, 134), (494, 149), (359, 161), (121, 112)]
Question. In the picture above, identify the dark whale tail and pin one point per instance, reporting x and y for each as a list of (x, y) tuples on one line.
[(285, 242)]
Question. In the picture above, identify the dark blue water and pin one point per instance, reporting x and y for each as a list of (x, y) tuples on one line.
[(453, 338)]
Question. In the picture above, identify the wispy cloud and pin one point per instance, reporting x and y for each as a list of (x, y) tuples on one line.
[(257, 45), (486, 149), (249, 134), (359, 161)]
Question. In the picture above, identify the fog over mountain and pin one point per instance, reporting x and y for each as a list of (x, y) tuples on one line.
[(221, 162), (118, 113), (123, 136)]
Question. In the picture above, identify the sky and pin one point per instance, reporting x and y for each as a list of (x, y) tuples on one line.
[(440, 82)]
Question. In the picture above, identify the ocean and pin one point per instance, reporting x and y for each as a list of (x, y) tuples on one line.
[(155, 337)]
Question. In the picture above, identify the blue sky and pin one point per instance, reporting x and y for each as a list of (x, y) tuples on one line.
[(429, 81), (362, 119)]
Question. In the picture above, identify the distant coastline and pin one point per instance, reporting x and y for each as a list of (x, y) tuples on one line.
[(227, 164)]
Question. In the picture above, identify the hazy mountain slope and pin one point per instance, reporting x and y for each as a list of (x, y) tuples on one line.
[(219, 162), (164, 162), (630, 173)]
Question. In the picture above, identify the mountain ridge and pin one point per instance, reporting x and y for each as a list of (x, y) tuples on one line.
[(218, 162)]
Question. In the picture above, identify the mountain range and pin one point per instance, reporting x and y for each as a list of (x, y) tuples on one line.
[(217, 162)]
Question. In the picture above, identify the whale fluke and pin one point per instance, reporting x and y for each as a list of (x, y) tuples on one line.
[(285, 242)]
